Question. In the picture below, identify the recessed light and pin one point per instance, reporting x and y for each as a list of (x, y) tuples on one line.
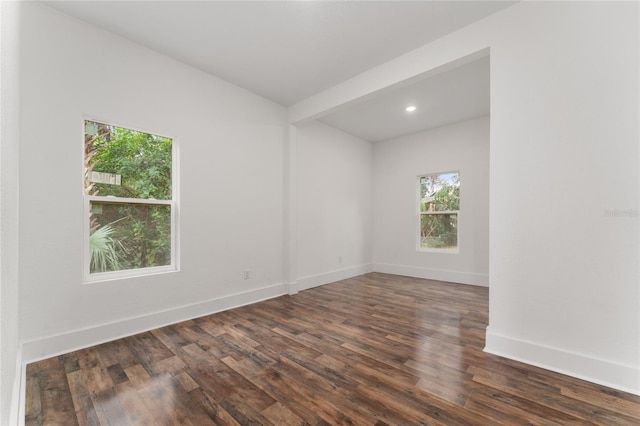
[(410, 108)]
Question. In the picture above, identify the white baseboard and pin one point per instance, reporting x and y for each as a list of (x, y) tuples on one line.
[(617, 376), (292, 288), (18, 397), (311, 281), (471, 278), (47, 347)]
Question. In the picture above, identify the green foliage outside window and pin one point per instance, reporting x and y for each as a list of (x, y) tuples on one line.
[(143, 160), (128, 235), (439, 204)]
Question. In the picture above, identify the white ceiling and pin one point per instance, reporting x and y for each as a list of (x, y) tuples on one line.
[(461, 93), (287, 51)]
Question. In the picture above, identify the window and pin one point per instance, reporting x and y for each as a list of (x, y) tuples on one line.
[(129, 202), (439, 209)]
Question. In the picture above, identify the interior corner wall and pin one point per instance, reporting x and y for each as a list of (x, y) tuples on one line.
[(230, 144), (462, 147), (9, 138), (334, 193)]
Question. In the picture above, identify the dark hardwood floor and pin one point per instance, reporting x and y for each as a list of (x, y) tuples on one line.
[(373, 350)]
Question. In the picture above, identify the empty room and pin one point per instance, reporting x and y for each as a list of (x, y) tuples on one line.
[(319, 212)]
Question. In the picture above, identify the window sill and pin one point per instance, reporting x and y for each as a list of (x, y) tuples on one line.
[(436, 250), (128, 274)]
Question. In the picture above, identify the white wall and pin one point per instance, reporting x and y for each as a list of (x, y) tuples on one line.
[(334, 200), (565, 149), (230, 158), (397, 163), (565, 284), (9, 137)]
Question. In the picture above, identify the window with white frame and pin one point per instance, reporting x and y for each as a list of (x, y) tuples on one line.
[(439, 207), (130, 216)]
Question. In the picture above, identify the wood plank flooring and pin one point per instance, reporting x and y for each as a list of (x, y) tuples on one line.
[(373, 350)]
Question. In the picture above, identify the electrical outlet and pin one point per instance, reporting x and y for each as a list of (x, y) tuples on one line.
[(247, 274), (340, 260)]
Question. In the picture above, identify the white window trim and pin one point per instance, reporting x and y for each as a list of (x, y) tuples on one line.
[(87, 276), (420, 213)]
